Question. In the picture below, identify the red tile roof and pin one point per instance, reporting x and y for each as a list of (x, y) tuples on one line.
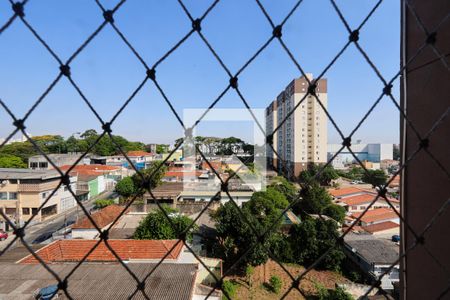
[(139, 153), (378, 214), (358, 199), (75, 250), (380, 226), (346, 191), (395, 181), (365, 198), (102, 218)]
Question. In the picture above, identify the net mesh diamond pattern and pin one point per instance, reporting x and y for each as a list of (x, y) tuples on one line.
[(150, 77)]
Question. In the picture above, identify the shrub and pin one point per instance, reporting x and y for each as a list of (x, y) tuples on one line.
[(249, 270), (337, 294), (101, 203), (229, 288), (275, 283)]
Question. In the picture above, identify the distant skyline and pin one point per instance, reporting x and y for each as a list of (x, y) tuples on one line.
[(107, 71)]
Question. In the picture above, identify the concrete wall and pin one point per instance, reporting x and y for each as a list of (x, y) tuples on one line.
[(87, 234), (425, 186)]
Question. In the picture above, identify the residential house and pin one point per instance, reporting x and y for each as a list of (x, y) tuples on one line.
[(360, 202), (85, 229), (374, 256), (385, 229), (177, 155), (102, 281), (140, 159), (23, 191), (134, 253), (95, 179), (347, 192), (376, 216)]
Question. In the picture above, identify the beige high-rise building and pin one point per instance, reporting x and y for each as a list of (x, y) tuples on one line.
[(302, 138)]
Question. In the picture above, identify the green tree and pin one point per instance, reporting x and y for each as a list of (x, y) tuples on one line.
[(335, 212), (285, 187), (156, 226), (125, 187), (152, 177), (314, 200), (51, 143), (11, 161), (375, 177), (311, 239), (355, 173), (235, 235), (160, 149), (101, 203), (23, 150), (327, 174)]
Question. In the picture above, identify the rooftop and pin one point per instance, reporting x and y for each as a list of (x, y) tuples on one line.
[(346, 191), (378, 214), (94, 167), (12, 173), (74, 251), (358, 199), (101, 281), (364, 198), (102, 218), (374, 250), (138, 153), (381, 226), (167, 190), (59, 155), (126, 226)]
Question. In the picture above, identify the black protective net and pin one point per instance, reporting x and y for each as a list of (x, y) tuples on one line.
[(18, 14)]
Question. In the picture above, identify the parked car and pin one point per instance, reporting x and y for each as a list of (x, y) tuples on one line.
[(3, 235), (396, 238)]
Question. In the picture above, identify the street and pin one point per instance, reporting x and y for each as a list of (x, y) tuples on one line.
[(37, 233)]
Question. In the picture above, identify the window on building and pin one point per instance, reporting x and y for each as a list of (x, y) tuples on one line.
[(43, 164), (12, 196), (33, 165), (25, 211), (34, 210), (44, 195), (10, 211), (3, 196), (354, 207)]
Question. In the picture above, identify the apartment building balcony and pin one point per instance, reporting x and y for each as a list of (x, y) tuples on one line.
[(37, 187)]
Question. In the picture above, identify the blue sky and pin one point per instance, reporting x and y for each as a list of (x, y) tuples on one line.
[(108, 72)]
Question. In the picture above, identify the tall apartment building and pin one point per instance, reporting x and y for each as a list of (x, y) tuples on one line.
[(302, 139)]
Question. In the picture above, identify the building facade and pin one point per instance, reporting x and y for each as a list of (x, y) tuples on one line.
[(373, 153), (302, 138), (40, 162), (23, 191)]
